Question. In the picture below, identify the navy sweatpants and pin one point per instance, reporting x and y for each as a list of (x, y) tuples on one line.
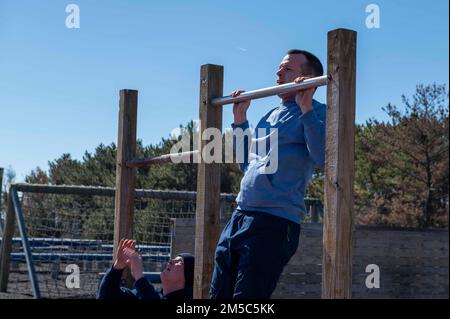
[(251, 253)]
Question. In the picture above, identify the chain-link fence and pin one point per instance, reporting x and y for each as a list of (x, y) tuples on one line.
[(74, 225)]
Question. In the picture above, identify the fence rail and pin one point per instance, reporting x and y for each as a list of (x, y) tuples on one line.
[(110, 191)]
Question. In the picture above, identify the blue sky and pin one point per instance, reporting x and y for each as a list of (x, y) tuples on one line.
[(59, 87)]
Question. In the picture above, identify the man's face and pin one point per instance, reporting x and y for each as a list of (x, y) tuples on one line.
[(291, 67), (174, 271)]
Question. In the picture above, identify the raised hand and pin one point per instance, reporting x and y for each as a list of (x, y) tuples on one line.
[(134, 262), (240, 109), (121, 259), (303, 98)]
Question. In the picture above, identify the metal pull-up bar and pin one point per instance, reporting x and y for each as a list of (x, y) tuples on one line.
[(166, 158), (273, 90), (250, 95)]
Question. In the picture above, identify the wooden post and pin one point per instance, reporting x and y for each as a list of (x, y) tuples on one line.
[(6, 247), (125, 176), (1, 199), (207, 225), (339, 165), (1, 185)]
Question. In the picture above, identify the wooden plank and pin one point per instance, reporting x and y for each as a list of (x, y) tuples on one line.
[(394, 262), (310, 269), (395, 252), (386, 236), (207, 228), (5, 253), (1, 184), (125, 176), (14, 296), (339, 165), (298, 260), (1, 199)]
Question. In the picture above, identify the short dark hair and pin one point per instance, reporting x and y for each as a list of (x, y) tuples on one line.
[(314, 66)]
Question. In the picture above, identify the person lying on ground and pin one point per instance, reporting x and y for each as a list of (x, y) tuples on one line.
[(176, 279)]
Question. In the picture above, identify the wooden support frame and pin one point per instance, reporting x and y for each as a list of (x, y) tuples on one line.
[(339, 165), (207, 227), (339, 170)]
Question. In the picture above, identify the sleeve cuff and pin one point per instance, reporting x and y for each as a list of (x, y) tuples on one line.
[(309, 119), (243, 126)]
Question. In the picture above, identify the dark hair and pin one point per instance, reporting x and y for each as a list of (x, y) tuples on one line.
[(189, 264), (314, 65)]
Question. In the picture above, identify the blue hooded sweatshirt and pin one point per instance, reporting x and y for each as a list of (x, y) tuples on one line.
[(285, 147)]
